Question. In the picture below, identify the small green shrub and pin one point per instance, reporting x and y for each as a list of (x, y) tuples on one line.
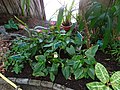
[(106, 81), (11, 25)]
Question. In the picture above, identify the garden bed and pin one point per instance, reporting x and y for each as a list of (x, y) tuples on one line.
[(74, 84), (105, 59)]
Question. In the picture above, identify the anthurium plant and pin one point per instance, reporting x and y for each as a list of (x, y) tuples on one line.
[(100, 23)]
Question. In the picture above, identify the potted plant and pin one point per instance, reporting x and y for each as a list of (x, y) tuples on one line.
[(66, 24)]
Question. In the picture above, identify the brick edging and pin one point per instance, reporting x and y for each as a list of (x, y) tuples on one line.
[(33, 82)]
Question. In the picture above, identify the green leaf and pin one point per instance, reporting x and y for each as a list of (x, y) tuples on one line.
[(101, 73), (23, 2), (70, 50), (77, 64), (52, 77), (78, 39), (39, 69), (115, 80), (7, 26), (116, 86), (66, 71), (97, 86), (54, 68), (59, 18), (91, 51), (11, 22), (90, 60), (107, 35), (91, 72), (56, 45), (17, 68), (40, 58), (78, 73), (48, 45), (14, 26), (33, 50)]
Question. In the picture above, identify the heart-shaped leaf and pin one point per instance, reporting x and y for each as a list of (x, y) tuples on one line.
[(66, 71), (70, 50)]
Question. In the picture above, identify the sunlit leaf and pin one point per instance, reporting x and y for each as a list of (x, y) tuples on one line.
[(101, 73)]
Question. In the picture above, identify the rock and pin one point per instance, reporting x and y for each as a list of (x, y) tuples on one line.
[(46, 84), (34, 82), (58, 87)]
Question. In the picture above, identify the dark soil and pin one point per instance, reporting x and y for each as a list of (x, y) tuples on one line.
[(101, 57)]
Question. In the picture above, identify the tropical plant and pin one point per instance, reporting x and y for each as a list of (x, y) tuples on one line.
[(101, 23), (107, 82)]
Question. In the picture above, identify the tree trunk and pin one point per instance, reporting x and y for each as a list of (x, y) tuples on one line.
[(14, 7)]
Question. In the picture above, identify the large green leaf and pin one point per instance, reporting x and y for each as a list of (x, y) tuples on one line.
[(116, 86), (52, 76), (54, 68), (70, 50), (91, 51), (77, 64), (91, 72), (101, 73), (78, 73), (66, 71), (97, 86), (39, 69), (115, 80), (107, 34)]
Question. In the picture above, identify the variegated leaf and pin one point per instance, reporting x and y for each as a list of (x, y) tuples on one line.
[(101, 73), (115, 80), (97, 86)]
